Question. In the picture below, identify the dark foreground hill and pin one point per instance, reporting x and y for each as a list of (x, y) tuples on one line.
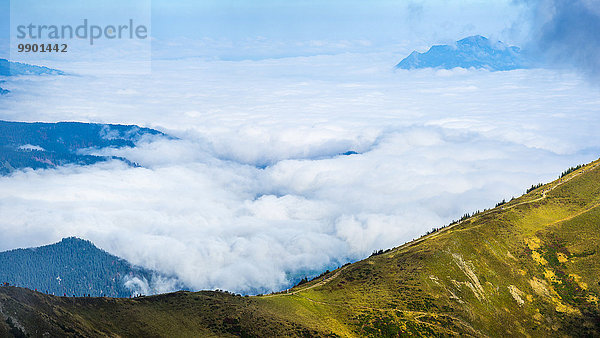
[(530, 267), (72, 267), (48, 145)]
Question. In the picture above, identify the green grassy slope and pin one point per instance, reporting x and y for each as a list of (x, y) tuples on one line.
[(528, 268)]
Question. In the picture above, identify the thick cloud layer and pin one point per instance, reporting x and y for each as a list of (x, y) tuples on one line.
[(566, 32), (256, 191)]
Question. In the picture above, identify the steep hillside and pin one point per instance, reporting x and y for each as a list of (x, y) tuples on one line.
[(530, 267), (73, 267)]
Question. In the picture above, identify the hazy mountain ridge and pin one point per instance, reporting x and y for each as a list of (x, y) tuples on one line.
[(9, 68), (74, 267), (528, 267), (47, 145), (471, 52)]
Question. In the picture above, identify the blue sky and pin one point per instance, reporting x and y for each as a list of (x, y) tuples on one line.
[(380, 21), (377, 23), (4, 27)]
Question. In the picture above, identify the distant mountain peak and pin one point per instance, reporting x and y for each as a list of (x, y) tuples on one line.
[(474, 39), (471, 52), (74, 239), (67, 241)]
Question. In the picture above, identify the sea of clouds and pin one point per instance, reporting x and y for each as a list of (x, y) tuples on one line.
[(255, 191)]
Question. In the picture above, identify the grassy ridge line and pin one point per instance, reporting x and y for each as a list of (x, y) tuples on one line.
[(512, 204), (180, 314), (503, 211), (507, 206), (294, 290)]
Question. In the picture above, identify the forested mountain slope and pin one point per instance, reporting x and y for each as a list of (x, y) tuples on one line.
[(72, 267), (48, 145)]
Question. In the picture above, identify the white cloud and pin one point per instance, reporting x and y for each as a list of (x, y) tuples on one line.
[(31, 147), (255, 189)]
